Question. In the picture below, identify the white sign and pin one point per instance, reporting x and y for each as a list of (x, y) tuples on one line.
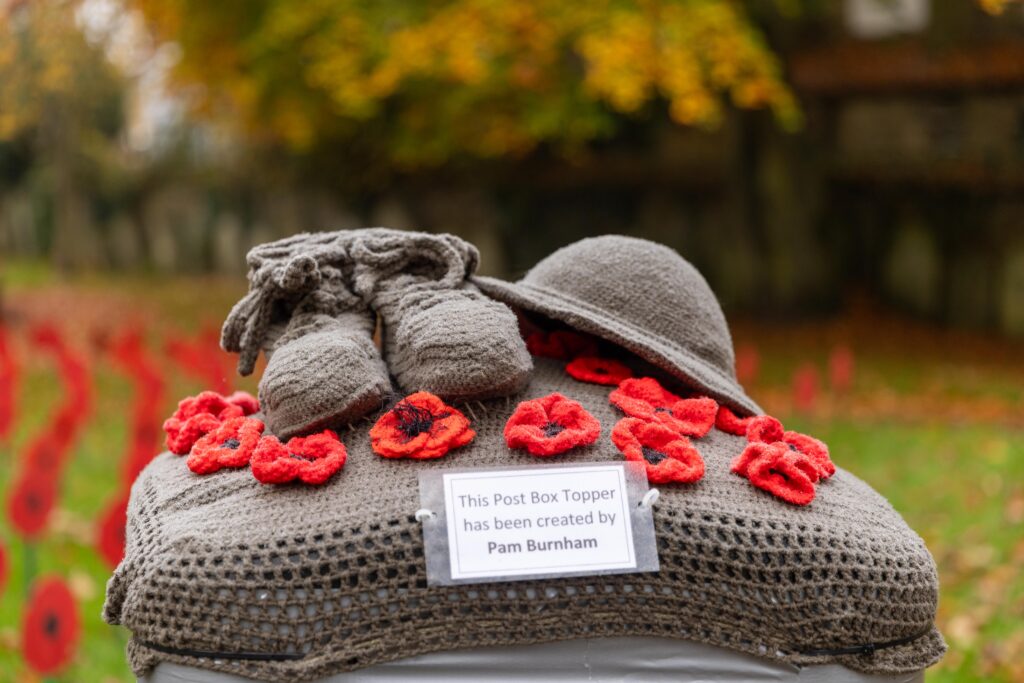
[(541, 521)]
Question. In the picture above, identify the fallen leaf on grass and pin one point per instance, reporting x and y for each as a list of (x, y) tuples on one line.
[(82, 585), (962, 629)]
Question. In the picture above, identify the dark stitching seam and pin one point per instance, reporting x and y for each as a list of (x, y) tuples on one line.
[(241, 656), (867, 649)]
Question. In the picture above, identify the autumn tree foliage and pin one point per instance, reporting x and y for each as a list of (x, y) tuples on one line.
[(420, 82)]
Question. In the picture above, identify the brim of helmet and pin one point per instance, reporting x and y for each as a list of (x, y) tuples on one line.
[(662, 352)]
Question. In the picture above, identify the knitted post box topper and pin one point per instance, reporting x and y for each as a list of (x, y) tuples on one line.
[(738, 568)]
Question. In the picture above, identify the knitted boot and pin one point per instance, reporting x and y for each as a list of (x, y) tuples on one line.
[(323, 368), (440, 333)]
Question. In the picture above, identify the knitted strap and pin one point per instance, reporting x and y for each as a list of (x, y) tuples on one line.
[(306, 272), (401, 262), (865, 649)]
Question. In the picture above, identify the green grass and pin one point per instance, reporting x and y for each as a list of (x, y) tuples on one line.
[(960, 486)]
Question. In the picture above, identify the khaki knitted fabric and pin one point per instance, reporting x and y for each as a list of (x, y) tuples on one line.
[(324, 371), (640, 295), (332, 578), (440, 333)]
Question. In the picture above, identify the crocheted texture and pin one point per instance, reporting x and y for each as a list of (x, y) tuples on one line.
[(731, 423), (441, 335), (644, 398), (420, 427), (551, 425), (310, 459), (324, 371), (333, 577), (668, 456), (641, 296), (560, 344), (50, 627), (229, 445), (767, 429), (776, 469), (199, 415), (598, 370)]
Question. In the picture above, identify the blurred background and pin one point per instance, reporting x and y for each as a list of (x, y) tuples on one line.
[(847, 174)]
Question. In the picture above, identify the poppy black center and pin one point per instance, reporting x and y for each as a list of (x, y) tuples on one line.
[(652, 456), (412, 420), (32, 502), (51, 625), (662, 410), (600, 371), (300, 456), (233, 444), (553, 429)]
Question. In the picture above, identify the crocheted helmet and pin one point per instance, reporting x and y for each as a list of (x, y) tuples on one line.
[(640, 295)]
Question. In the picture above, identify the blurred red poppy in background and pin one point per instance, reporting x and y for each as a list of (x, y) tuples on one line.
[(30, 503), (4, 569), (110, 532), (8, 384), (50, 627)]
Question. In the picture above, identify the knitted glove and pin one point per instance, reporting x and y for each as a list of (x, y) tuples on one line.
[(323, 368), (441, 334)]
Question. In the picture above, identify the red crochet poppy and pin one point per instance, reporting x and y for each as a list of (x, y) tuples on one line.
[(110, 532), (196, 416), (50, 627), (667, 455), (786, 474), (310, 459), (246, 401), (420, 426), (729, 422), (560, 344), (598, 370), (229, 445), (644, 398), (31, 502), (551, 425), (767, 429)]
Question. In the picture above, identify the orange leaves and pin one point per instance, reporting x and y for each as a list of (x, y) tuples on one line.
[(472, 76)]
